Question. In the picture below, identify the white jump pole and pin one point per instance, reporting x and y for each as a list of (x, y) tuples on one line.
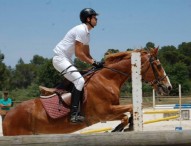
[(154, 99), (137, 91), (180, 105), (180, 108)]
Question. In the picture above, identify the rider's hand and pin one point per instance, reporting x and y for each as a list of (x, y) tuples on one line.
[(98, 64)]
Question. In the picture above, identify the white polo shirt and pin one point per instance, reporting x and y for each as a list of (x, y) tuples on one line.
[(66, 47)]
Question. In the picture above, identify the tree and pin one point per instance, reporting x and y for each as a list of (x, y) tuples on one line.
[(23, 75), (185, 48), (168, 55), (4, 74), (111, 51), (21, 61), (48, 75), (178, 74), (38, 60), (1, 57), (150, 45), (81, 65)]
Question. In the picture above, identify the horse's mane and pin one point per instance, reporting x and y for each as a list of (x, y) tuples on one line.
[(116, 57)]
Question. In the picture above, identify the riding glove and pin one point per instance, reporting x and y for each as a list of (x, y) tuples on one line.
[(98, 64)]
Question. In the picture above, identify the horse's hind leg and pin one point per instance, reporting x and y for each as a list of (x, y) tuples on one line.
[(18, 122), (13, 125)]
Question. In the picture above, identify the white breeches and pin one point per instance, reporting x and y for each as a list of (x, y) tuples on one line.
[(61, 64)]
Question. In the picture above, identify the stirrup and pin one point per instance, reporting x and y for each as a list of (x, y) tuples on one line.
[(77, 119)]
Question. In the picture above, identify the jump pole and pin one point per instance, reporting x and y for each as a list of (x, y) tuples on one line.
[(161, 119), (154, 99), (139, 138), (180, 108), (162, 111), (96, 130), (137, 91)]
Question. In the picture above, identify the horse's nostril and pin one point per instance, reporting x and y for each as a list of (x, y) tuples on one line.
[(169, 88)]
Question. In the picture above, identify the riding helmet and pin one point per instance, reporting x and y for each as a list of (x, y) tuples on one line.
[(85, 13)]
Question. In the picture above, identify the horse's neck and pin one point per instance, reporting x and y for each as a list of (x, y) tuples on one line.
[(118, 73)]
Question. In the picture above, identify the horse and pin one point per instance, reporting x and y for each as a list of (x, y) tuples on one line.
[(102, 91)]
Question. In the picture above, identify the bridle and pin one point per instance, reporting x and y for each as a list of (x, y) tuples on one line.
[(157, 80)]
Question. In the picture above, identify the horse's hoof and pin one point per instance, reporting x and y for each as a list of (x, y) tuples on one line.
[(119, 128), (130, 128)]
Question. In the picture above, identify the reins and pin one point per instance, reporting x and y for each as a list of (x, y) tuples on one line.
[(91, 72), (115, 70)]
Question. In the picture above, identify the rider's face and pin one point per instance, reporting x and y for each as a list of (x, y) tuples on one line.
[(94, 20)]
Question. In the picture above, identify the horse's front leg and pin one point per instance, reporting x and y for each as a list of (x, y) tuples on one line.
[(120, 110)]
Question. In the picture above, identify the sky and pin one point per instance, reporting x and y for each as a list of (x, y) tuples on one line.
[(34, 27)]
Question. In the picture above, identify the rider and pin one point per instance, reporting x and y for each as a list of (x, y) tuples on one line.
[(76, 42)]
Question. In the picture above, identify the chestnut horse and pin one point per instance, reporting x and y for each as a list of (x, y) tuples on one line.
[(102, 91)]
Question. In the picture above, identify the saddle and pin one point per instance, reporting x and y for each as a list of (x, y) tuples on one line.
[(56, 102)]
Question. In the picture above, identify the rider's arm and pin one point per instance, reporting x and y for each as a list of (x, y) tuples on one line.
[(82, 52)]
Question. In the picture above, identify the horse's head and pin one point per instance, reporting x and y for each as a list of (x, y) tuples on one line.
[(154, 74), (151, 70)]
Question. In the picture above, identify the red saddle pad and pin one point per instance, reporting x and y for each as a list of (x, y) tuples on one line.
[(53, 108)]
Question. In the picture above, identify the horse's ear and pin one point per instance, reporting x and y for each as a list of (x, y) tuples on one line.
[(156, 51), (151, 51)]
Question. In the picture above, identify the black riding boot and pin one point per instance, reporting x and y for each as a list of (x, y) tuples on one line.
[(76, 117)]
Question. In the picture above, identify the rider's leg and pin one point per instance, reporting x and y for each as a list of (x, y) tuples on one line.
[(75, 113), (71, 73), (78, 81)]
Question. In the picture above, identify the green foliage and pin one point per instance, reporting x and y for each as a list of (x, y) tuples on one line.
[(111, 51), (179, 74), (1, 57), (48, 75), (126, 89), (23, 75), (4, 74), (150, 45), (185, 48), (81, 65), (21, 95)]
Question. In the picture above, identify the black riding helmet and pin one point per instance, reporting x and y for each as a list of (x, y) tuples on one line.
[(85, 13)]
